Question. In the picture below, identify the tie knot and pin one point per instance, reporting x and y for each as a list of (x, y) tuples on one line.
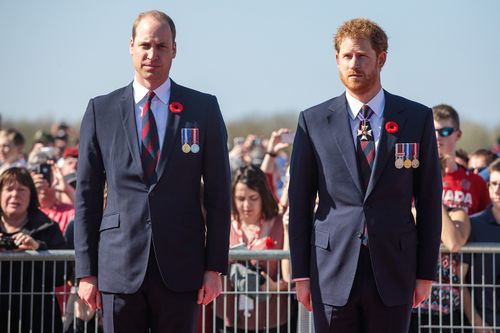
[(151, 94), (365, 111)]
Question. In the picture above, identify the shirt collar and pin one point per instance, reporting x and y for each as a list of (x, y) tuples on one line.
[(162, 92), (376, 104)]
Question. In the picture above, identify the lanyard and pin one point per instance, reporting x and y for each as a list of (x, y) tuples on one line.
[(239, 233)]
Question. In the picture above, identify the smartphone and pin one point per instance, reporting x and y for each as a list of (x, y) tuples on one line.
[(45, 170), (287, 137)]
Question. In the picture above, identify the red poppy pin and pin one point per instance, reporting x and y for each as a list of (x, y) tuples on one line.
[(391, 127), (269, 243), (176, 107)]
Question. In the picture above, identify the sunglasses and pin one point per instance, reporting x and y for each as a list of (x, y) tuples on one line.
[(445, 131), (477, 170)]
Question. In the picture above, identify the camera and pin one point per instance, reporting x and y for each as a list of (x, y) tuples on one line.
[(287, 137), (45, 170), (7, 243)]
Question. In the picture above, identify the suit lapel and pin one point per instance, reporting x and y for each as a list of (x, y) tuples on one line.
[(127, 113), (393, 111), (171, 131), (340, 129)]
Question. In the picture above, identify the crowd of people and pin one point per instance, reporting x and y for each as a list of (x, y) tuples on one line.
[(37, 210)]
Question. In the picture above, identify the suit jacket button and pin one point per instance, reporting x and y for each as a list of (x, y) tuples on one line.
[(359, 235)]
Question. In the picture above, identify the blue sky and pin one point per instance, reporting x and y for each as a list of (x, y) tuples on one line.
[(258, 57)]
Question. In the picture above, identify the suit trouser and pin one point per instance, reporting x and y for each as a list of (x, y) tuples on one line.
[(364, 311), (153, 307)]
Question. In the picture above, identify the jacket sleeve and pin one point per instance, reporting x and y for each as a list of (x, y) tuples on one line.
[(302, 196), (217, 190), (89, 196), (427, 195)]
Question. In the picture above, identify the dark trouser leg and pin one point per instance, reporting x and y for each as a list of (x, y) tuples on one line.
[(153, 306), (364, 311), (377, 316)]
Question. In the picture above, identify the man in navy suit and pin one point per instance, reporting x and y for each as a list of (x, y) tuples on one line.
[(153, 250), (360, 259)]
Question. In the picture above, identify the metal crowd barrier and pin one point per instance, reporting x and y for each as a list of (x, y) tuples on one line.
[(38, 294)]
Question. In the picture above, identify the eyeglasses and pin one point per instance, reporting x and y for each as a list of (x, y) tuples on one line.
[(445, 131)]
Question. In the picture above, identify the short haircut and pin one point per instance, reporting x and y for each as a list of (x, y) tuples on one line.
[(158, 15), (445, 112), (253, 177), (494, 167), (481, 152), (361, 28), (462, 154), (13, 136), (23, 177)]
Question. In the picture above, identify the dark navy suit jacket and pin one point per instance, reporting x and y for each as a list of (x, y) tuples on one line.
[(324, 243), (113, 242)]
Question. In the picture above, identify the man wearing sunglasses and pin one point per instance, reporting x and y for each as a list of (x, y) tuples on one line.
[(461, 188), (479, 161)]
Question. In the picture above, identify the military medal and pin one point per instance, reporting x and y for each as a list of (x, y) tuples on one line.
[(195, 147), (399, 156), (185, 134), (365, 132), (407, 162), (415, 162)]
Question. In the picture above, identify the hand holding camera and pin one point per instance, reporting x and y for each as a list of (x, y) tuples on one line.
[(7, 243), (18, 241), (279, 140)]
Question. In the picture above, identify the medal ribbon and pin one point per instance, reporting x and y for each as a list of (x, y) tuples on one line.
[(399, 150), (189, 136), (184, 135), (195, 136), (363, 120), (415, 151), (407, 153)]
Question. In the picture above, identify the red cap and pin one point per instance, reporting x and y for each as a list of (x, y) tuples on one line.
[(71, 152)]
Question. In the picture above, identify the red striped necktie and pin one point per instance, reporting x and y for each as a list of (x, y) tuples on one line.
[(365, 152), (150, 145)]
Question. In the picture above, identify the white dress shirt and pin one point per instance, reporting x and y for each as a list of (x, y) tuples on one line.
[(159, 106), (377, 104)]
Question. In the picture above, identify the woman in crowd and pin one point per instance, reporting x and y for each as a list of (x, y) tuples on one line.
[(256, 225), (26, 301)]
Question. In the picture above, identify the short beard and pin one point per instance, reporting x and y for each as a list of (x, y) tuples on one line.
[(369, 80)]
